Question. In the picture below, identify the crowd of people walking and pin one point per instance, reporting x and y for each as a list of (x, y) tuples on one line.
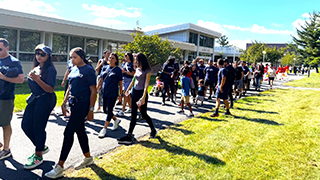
[(127, 83)]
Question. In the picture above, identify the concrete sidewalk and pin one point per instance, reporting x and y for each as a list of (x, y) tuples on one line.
[(162, 116)]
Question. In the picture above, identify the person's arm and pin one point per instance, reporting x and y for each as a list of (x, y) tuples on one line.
[(66, 74), (93, 98), (130, 73), (222, 83), (99, 84), (242, 75), (146, 85), (63, 105), (129, 87), (19, 79), (121, 87), (99, 65), (46, 87)]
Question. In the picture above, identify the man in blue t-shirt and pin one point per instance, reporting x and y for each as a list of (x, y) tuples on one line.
[(10, 73), (201, 67), (210, 73), (222, 89)]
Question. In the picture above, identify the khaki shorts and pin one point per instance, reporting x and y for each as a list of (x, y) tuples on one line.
[(6, 110), (185, 99)]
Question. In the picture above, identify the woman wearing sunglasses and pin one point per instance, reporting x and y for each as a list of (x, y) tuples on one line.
[(82, 95), (41, 81)]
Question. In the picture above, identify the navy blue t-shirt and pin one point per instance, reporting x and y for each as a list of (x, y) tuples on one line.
[(194, 76), (245, 70), (129, 68), (231, 75), (110, 84), (201, 91), (223, 72), (201, 73), (211, 73), (49, 77), (81, 78), (168, 68), (12, 65)]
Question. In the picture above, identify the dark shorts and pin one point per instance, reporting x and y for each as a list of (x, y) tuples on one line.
[(211, 84), (222, 95), (6, 110), (271, 78)]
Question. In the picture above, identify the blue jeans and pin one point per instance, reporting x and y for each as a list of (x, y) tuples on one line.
[(35, 119), (258, 82)]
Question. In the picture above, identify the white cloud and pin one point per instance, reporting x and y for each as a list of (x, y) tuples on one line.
[(233, 27), (262, 30), (277, 25), (155, 27), (301, 22), (107, 22), (30, 6), (306, 15), (106, 12), (212, 25)]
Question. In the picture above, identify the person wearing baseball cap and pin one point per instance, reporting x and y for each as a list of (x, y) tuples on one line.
[(41, 81)]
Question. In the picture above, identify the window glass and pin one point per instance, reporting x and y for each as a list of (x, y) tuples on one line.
[(11, 36), (26, 57), (94, 59), (193, 38), (92, 46), (76, 42), (59, 58), (29, 40), (59, 44)]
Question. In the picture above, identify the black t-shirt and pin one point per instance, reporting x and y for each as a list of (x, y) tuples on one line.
[(168, 68), (238, 72), (231, 74)]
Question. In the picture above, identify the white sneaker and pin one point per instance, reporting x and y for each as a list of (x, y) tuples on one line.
[(115, 124), (84, 163), (55, 173), (102, 133), (120, 113), (128, 110)]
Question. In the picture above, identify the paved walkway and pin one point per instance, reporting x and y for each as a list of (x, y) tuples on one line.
[(21, 146)]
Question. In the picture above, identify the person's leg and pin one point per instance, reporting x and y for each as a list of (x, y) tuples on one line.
[(83, 139), (7, 107), (231, 96), (172, 89), (143, 111), (134, 110), (216, 112), (226, 103), (182, 104), (110, 102), (100, 99), (166, 86), (7, 132), (27, 122), (190, 108)]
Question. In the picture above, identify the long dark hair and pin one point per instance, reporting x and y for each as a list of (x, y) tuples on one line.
[(80, 52), (130, 57), (115, 55), (44, 68), (171, 60), (142, 60)]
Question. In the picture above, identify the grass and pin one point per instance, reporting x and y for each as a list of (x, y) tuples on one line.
[(274, 135), (312, 82)]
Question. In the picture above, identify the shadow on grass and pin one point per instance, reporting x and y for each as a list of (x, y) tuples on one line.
[(258, 111), (259, 120), (171, 148), (184, 131), (211, 119), (101, 173)]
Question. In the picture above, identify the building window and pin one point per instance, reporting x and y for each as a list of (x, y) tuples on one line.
[(192, 56), (26, 56), (206, 41), (76, 42), (92, 46), (193, 38), (28, 41), (11, 36), (59, 58), (59, 44)]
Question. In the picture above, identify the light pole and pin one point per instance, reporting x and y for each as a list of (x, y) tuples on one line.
[(264, 53)]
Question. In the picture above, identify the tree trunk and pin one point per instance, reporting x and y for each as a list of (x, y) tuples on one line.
[(317, 68)]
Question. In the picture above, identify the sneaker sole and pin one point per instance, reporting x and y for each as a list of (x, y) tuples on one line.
[(87, 165), (33, 166), (8, 155), (154, 136), (125, 142), (214, 115), (55, 177)]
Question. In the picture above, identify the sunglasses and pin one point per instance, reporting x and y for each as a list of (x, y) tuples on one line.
[(0, 49), (125, 55), (41, 54)]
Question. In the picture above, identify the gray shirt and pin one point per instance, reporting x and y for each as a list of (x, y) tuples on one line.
[(140, 79)]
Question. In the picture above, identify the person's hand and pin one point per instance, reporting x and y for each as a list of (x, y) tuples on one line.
[(62, 84), (34, 77), (64, 110), (1, 76), (90, 115), (123, 71), (221, 90), (141, 102), (127, 93), (120, 98)]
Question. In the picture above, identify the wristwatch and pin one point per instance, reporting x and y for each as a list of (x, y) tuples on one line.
[(91, 108)]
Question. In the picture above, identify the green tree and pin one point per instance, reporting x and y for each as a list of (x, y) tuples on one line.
[(308, 40), (254, 53), (155, 48), (272, 55), (223, 41), (288, 59)]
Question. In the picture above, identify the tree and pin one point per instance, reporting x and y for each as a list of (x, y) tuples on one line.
[(287, 59), (223, 41), (308, 40), (254, 53), (272, 55), (155, 48)]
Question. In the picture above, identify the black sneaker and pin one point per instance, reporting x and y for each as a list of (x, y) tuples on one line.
[(214, 115), (209, 98), (127, 139), (153, 134), (227, 113)]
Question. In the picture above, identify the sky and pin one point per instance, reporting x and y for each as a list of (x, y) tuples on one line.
[(270, 21)]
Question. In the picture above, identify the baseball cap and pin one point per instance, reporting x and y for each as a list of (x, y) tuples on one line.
[(44, 48)]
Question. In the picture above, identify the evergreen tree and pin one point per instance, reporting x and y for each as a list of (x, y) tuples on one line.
[(223, 41), (308, 41)]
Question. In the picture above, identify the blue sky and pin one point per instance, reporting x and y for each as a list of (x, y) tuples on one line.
[(242, 21)]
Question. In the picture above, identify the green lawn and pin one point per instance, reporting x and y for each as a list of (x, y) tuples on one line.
[(312, 82), (274, 135)]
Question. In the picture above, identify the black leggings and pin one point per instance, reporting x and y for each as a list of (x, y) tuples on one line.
[(168, 83), (136, 95), (76, 125), (108, 105)]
